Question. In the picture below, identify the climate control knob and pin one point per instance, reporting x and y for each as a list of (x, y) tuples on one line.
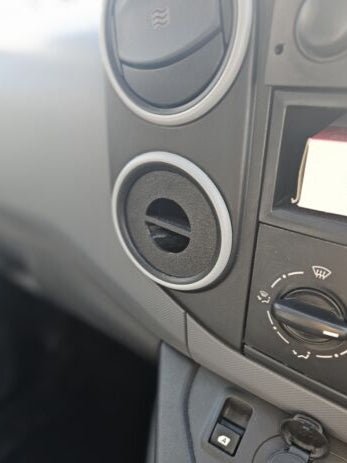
[(310, 316)]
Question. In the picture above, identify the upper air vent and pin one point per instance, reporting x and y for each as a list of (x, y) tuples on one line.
[(172, 60)]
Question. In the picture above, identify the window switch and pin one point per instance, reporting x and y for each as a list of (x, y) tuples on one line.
[(225, 439)]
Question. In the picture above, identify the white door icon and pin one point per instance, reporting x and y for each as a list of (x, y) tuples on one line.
[(224, 440)]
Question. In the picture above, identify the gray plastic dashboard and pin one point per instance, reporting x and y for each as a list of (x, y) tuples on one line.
[(56, 231), (53, 138)]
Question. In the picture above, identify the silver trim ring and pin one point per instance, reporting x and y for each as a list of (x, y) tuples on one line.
[(212, 193), (244, 11)]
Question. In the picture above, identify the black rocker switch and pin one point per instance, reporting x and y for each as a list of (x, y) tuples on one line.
[(231, 425), (226, 436)]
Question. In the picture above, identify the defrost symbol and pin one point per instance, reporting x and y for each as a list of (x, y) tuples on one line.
[(320, 272)]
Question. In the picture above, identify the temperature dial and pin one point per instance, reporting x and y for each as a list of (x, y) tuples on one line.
[(310, 316)]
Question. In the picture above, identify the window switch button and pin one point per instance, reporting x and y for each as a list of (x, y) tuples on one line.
[(225, 439)]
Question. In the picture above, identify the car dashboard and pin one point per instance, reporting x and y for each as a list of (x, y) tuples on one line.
[(150, 166)]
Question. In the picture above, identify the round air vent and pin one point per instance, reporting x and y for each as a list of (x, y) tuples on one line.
[(172, 221), (171, 61)]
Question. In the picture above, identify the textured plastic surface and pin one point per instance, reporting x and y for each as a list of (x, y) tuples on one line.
[(285, 457), (236, 37), (177, 83), (160, 33), (41, 168), (321, 30), (56, 173), (176, 374), (274, 446), (189, 405), (286, 261), (307, 44), (295, 376), (207, 398), (189, 402), (217, 145), (268, 385), (169, 58)]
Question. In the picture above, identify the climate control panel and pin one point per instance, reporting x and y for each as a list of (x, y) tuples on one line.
[(297, 309)]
